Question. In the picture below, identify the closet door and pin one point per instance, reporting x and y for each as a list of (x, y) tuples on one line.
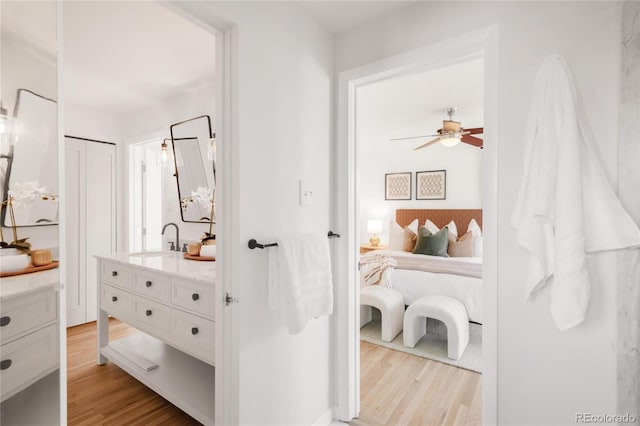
[(90, 173), (100, 214), (75, 190)]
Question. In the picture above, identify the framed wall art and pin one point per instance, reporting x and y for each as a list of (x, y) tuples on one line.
[(397, 186), (431, 185)]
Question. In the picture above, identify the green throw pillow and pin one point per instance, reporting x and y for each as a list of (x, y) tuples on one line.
[(432, 244)]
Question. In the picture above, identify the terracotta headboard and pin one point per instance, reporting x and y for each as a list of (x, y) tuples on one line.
[(440, 217)]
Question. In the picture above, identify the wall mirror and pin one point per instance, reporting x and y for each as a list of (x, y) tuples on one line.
[(31, 172), (195, 168)]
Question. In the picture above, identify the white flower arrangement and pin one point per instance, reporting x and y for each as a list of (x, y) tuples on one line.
[(23, 193)]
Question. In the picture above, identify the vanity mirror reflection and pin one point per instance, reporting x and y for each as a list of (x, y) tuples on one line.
[(194, 154), (31, 172), (30, 330)]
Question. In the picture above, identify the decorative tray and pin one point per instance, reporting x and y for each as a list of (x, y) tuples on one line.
[(204, 258), (29, 269)]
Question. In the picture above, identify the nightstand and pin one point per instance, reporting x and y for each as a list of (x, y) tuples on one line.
[(365, 248)]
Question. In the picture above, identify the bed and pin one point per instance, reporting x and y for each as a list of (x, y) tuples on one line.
[(417, 275)]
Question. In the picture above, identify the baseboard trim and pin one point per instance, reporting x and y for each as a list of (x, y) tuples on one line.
[(325, 419)]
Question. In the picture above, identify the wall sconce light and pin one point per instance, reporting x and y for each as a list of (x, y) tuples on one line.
[(211, 153), (374, 227), (5, 133), (164, 150)]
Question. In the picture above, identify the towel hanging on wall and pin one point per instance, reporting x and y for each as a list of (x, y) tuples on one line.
[(566, 207), (299, 279)]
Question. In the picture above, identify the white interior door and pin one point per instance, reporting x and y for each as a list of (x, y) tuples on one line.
[(75, 184), (90, 171)]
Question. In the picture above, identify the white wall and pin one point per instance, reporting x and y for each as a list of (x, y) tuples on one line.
[(154, 123), (463, 185), (90, 123), (544, 376), (284, 115)]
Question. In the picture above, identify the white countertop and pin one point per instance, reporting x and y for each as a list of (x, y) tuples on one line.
[(170, 263), (28, 283)]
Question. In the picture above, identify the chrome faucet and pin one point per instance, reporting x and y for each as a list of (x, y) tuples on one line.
[(177, 246)]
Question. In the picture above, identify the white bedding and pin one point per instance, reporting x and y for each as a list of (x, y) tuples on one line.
[(415, 284), (417, 275)]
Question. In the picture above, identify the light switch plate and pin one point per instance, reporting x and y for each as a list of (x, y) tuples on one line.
[(307, 193)]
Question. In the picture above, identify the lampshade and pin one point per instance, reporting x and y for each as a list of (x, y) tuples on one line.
[(374, 226)]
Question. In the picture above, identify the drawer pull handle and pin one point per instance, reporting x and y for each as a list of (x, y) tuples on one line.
[(5, 321), (5, 363), (114, 298), (114, 273), (148, 284), (195, 296), (149, 312), (194, 330)]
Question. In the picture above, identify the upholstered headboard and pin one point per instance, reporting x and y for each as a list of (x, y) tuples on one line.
[(440, 217)]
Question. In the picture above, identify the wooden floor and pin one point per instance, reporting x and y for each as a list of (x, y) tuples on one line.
[(401, 389), (396, 389), (105, 394)]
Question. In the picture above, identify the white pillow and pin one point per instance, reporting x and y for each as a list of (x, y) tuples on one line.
[(477, 237), (453, 230), (396, 239)]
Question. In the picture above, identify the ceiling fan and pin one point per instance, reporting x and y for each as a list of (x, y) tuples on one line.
[(451, 134)]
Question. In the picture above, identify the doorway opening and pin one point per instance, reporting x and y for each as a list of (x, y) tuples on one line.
[(145, 196), (162, 66), (406, 176), (352, 217)]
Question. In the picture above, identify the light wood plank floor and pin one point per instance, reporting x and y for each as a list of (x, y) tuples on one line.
[(396, 389), (106, 395), (402, 389)]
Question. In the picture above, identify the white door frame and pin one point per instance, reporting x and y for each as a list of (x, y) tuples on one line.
[(227, 179), (346, 313)]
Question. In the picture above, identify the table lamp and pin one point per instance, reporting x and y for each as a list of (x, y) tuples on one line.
[(374, 227)]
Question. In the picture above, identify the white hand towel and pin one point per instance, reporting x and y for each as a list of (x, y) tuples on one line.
[(299, 279), (566, 207)]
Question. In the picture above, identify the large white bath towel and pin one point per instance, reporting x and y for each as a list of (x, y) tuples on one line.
[(566, 207), (299, 279)]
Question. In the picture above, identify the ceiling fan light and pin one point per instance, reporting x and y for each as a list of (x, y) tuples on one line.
[(450, 140)]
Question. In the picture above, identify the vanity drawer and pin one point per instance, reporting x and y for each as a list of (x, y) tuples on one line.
[(115, 273), (152, 285), (28, 359), (115, 301), (24, 313), (194, 334), (151, 313), (194, 297)]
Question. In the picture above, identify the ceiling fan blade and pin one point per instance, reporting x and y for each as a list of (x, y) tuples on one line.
[(431, 142), (475, 131), (472, 140), (413, 137)]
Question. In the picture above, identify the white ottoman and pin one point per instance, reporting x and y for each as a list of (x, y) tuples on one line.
[(446, 309), (391, 305)]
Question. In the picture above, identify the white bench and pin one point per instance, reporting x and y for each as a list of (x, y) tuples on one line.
[(391, 305), (446, 309)]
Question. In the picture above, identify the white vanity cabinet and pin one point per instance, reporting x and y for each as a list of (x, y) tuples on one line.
[(171, 301), (29, 340)]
